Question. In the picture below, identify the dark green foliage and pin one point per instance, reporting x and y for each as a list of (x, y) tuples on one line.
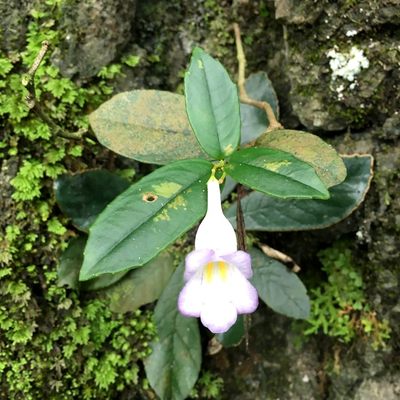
[(234, 335), (174, 364), (151, 214), (266, 213), (276, 173), (53, 345), (83, 196), (212, 105), (279, 288)]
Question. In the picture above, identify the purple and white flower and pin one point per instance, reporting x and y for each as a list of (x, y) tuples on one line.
[(216, 273)]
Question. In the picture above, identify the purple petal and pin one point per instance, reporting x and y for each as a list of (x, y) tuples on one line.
[(242, 261), (218, 316), (190, 301), (243, 294), (195, 260)]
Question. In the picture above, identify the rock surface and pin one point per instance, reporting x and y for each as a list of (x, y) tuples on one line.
[(96, 32), (13, 23), (321, 33), (335, 65)]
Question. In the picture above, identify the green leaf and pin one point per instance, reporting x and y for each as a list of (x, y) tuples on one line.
[(264, 213), (255, 121), (102, 281), (142, 285), (229, 186), (147, 125), (276, 173), (71, 262), (146, 218), (83, 196), (308, 148), (174, 364), (279, 288), (234, 335), (212, 105)]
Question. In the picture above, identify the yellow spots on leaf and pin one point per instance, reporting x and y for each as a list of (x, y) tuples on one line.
[(228, 149), (179, 201), (162, 216), (276, 165), (167, 189), (217, 269), (200, 64)]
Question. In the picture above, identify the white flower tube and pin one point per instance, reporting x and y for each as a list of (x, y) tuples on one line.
[(216, 273)]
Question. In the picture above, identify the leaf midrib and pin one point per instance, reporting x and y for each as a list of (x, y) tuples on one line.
[(278, 174), (115, 245)]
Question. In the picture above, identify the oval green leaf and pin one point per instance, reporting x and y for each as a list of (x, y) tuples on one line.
[(255, 121), (142, 285), (174, 364), (264, 213), (147, 125), (146, 218), (311, 149), (83, 196), (212, 105), (279, 288), (71, 263), (234, 335), (276, 173)]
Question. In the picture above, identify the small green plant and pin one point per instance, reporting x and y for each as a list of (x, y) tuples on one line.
[(199, 140), (338, 306), (209, 386), (53, 344)]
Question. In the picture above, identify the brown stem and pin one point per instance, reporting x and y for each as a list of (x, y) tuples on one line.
[(241, 238), (278, 255), (244, 97), (28, 80), (240, 227)]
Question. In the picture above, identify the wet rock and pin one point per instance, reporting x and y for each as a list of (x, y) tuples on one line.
[(357, 367), (378, 389), (296, 12), (96, 32), (343, 72), (391, 127), (13, 23), (279, 364)]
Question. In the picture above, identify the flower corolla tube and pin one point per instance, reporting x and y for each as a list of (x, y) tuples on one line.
[(216, 273)]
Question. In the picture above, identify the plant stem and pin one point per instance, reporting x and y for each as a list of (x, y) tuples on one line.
[(278, 255), (244, 97), (28, 80), (240, 226)]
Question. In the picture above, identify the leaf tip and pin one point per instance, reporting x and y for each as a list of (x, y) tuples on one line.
[(197, 51)]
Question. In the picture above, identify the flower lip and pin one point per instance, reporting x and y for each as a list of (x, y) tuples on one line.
[(216, 292), (216, 273)]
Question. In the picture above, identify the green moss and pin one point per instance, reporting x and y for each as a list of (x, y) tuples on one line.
[(339, 307), (54, 343), (209, 386)]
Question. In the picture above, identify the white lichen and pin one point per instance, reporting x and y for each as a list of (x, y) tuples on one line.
[(351, 32), (347, 65)]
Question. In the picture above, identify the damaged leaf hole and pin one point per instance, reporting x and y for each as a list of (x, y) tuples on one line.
[(149, 197)]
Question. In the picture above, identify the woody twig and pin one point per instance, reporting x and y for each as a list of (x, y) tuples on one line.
[(278, 255), (28, 80), (244, 97)]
